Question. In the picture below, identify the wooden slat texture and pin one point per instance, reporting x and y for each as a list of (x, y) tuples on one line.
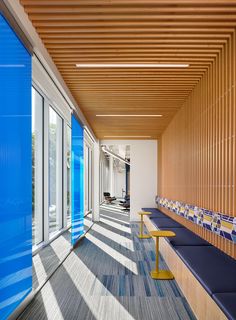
[(197, 157), (195, 32)]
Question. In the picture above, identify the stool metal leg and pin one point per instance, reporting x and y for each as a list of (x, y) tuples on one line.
[(160, 274), (141, 235), (141, 226)]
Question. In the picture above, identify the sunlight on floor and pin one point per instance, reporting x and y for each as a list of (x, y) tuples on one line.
[(40, 272), (52, 308), (45, 293), (113, 210), (107, 217), (120, 258), (103, 308), (56, 247), (111, 235), (116, 225)]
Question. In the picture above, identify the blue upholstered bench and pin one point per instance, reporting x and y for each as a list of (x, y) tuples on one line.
[(215, 270), (165, 223), (155, 212), (227, 302), (185, 237)]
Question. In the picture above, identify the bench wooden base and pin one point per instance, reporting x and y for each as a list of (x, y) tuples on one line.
[(203, 306)]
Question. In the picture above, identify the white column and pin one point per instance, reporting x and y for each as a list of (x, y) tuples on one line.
[(96, 203), (111, 176)]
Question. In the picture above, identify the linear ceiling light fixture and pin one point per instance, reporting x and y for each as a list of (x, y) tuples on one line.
[(129, 115), (131, 65), (127, 136)]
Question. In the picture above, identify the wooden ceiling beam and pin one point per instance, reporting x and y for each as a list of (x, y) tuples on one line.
[(185, 52), (126, 81), (140, 71), (77, 9), (153, 23), (130, 42), (123, 30), (139, 15), (133, 77), (129, 46), (140, 89), (160, 3), (103, 36), (190, 60), (77, 56), (132, 83)]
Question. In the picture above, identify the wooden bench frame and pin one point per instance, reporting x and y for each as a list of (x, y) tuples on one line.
[(202, 304)]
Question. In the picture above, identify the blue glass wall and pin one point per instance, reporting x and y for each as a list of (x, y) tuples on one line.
[(77, 189), (15, 171)]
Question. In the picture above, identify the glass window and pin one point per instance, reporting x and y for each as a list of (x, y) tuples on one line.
[(68, 175), (37, 167), (55, 172)]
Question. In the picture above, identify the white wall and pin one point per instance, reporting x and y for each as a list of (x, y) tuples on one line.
[(143, 173), (119, 183)]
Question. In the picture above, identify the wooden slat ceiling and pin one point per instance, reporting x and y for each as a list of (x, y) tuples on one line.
[(132, 31)]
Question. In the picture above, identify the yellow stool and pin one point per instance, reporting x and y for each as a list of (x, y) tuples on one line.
[(161, 274), (141, 235)]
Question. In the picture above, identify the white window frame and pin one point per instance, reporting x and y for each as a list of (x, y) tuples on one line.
[(90, 144), (59, 173), (63, 179), (66, 125), (40, 175)]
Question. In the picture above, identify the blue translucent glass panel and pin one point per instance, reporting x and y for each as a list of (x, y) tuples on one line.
[(77, 173), (15, 171)]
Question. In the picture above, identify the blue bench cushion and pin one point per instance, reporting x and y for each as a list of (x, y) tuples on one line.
[(155, 212), (214, 269), (185, 237), (227, 302), (165, 223)]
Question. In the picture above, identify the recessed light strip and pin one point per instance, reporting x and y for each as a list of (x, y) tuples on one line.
[(128, 115), (127, 136), (130, 65)]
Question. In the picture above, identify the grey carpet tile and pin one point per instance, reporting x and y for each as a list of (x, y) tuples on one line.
[(108, 277), (49, 258), (88, 222)]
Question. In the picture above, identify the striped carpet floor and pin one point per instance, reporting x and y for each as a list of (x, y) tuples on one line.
[(113, 207), (107, 277), (46, 261)]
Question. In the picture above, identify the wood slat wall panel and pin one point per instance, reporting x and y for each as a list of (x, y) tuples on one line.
[(197, 156)]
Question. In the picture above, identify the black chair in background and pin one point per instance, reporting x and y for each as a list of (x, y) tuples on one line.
[(126, 203), (108, 198)]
